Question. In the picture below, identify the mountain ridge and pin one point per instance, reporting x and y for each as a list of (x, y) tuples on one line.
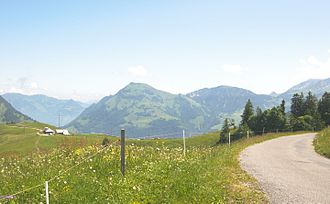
[(44, 108), (8, 114)]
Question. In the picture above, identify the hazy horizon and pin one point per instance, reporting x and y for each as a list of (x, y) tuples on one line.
[(87, 50)]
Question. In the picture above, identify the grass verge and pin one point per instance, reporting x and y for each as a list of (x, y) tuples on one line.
[(322, 142)]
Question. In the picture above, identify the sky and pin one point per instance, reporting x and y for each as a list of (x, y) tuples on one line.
[(86, 50)]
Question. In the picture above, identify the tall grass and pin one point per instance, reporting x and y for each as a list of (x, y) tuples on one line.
[(322, 142)]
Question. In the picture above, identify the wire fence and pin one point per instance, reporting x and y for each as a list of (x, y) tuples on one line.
[(54, 177), (176, 134)]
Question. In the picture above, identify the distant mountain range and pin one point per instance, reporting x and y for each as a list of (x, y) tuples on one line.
[(143, 110), (8, 114), (46, 109)]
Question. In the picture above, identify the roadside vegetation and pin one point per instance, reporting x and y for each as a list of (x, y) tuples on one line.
[(306, 114), (322, 143)]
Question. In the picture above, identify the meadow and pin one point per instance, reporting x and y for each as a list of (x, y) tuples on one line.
[(80, 170)]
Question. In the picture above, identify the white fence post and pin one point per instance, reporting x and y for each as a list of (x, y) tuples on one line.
[(229, 138), (47, 194), (184, 143)]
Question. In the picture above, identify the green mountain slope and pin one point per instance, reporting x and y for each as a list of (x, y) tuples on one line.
[(142, 110), (8, 114), (46, 109), (226, 101)]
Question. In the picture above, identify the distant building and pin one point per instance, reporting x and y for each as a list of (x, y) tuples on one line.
[(62, 132), (48, 131)]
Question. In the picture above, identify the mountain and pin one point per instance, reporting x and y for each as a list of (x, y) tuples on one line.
[(142, 110), (226, 101), (8, 114), (46, 109), (317, 86)]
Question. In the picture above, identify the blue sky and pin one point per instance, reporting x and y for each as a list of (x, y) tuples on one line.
[(89, 49)]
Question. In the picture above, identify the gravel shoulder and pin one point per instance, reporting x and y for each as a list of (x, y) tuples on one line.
[(289, 170)]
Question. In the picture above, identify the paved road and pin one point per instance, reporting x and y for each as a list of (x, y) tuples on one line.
[(288, 170)]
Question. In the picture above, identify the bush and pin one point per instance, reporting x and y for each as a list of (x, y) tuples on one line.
[(105, 142)]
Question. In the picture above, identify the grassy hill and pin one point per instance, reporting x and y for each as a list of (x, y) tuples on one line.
[(157, 171)]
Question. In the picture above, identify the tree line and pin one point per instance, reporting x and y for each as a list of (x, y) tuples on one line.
[(307, 113)]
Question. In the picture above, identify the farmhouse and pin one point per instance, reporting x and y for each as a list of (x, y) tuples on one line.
[(62, 132), (48, 131)]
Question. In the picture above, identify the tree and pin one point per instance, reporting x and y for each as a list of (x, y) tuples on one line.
[(310, 105), (247, 113), (324, 108), (301, 123), (257, 122), (275, 119), (227, 125), (282, 107), (297, 105), (305, 113)]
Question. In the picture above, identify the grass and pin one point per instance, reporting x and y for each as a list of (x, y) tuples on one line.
[(22, 138), (157, 172), (322, 143)]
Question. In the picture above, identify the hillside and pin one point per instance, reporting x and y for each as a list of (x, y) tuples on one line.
[(46, 109), (142, 110), (226, 101), (8, 114), (317, 86)]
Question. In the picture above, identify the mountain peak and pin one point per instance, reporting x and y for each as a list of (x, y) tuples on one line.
[(134, 88)]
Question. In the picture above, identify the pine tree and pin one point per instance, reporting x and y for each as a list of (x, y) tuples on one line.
[(297, 105), (324, 108), (282, 107), (247, 113), (224, 131), (310, 105)]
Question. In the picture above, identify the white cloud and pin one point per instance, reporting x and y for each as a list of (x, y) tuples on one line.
[(232, 68), (138, 71), (21, 85), (312, 67), (33, 85), (312, 60)]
